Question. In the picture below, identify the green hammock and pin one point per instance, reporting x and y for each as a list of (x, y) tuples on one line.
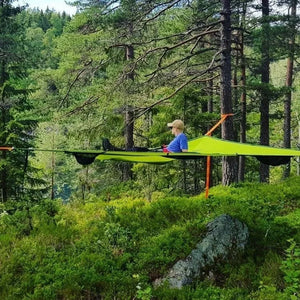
[(206, 146), (198, 148), (214, 147)]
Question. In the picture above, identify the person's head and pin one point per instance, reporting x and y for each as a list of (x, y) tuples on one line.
[(177, 126)]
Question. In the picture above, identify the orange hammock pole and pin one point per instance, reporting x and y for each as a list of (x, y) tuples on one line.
[(208, 159)]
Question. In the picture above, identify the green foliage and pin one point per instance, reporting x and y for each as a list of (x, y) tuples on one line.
[(117, 247), (17, 120), (71, 78), (80, 72), (203, 291), (291, 270)]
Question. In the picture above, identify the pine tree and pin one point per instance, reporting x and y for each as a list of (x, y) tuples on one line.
[(16, 123), (229, 163), (289, 79)]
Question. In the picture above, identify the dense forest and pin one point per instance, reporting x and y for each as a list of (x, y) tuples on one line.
[(122, 70)]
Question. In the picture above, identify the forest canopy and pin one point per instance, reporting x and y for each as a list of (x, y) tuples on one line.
[(123, 70)]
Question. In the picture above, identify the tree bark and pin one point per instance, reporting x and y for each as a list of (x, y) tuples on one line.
[(265, 79), (3, 176), (210, 105), (298, 158), (129, 120), (129, 126), (243, 104), (243, 122), (289, 83), (130, 56), (129, 112), (229, 170), (210, 109)]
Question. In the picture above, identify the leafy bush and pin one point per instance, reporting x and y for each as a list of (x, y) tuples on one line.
[(291, 270), (116, 248)]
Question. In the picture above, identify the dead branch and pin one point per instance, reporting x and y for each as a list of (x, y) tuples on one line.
[(109, 4), (72, 84), (177, 35), (88, 102), (169, 48), (161, 11), (179, 61), (193, 79)]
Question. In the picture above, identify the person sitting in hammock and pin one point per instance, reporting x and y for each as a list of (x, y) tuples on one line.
[(178, 144)]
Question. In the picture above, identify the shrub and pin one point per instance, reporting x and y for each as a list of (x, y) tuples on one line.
[(291, 270), (114, 248)]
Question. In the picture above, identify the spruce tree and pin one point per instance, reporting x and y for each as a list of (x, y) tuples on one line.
[(16, 123)]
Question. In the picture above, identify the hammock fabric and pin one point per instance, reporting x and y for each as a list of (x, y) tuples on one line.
[(206, 146), (198, 148)]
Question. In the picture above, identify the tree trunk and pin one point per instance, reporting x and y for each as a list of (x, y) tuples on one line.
[(265, 79), (52, 168), (210, 105), (243, 105), (129, 120), (243, 122), (289, 83), (3, 176), (130, 56), (298, 158), (129, 126), (3, 180), (129, 143), (196, 177), (229, 171)]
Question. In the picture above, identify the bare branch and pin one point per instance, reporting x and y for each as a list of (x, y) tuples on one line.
[(88, 102), (179, 35), (109, 4), (172, 3), (193, 79), (72, 84), (169, 48), (179, 61)]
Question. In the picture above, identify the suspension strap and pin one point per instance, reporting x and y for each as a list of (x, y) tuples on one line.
[(208, 159), (3, 148)]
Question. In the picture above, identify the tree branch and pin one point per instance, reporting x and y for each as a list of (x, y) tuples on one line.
[(172, 3), (193, 79), (88, 102), (72, 84)]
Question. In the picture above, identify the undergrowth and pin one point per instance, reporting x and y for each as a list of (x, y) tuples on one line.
[(114, 249)]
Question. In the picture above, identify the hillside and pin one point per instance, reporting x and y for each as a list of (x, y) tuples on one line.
[(115, 249)]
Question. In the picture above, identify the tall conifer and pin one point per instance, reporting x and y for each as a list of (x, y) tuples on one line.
[(17, 126)]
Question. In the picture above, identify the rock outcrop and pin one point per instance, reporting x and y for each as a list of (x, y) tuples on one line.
[(225, 237)]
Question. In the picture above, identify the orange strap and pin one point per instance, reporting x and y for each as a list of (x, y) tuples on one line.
[(223, 117), (208, 160), (3, 148)]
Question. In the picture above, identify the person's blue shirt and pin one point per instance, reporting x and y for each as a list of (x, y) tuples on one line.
[(179, 143)]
